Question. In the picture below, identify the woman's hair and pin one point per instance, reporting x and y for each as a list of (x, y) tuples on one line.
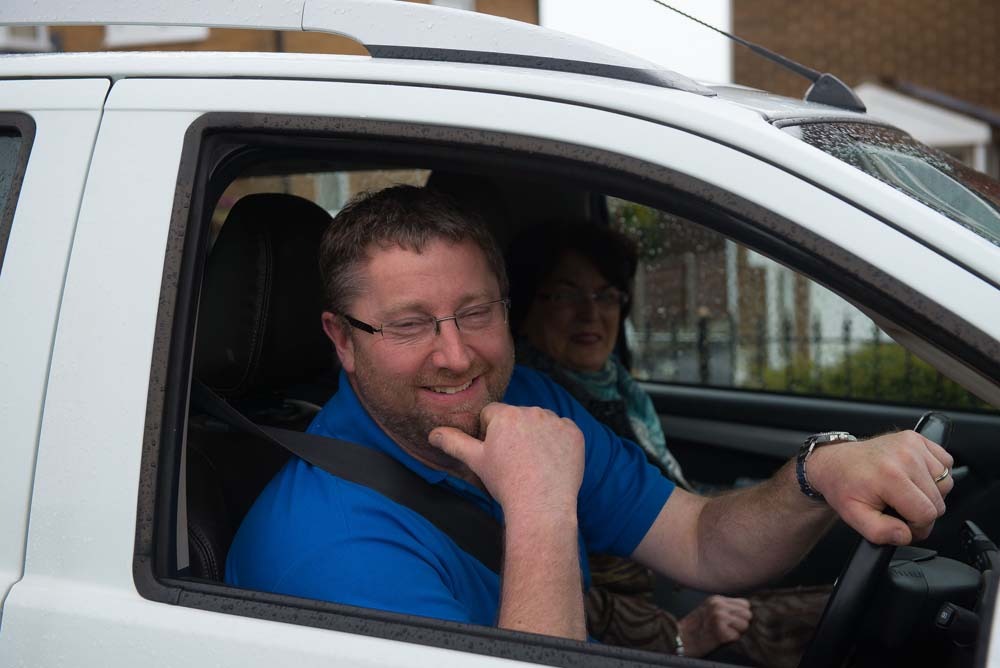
[(536, 251)]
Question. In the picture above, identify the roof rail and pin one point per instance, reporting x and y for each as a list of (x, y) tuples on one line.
[(387, 28)]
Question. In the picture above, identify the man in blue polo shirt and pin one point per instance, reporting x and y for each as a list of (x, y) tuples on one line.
[(417, 313)]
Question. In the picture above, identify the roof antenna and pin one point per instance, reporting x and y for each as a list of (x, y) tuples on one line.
[(826, 88)]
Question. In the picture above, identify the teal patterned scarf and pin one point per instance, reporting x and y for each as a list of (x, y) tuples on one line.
[(614, 383)]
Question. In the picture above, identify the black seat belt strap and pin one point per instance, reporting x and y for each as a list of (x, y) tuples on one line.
[(473, 529)]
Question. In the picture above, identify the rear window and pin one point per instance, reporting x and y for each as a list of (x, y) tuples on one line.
[(16, 134), (970, 198), (10, 148)]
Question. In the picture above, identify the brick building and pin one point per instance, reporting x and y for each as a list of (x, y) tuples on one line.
[(919, 56), (953, 47), (132, 38)]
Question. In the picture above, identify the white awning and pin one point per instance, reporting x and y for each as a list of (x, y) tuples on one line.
[(928, 123)]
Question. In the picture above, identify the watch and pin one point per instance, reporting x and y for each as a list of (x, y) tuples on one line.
[(810, 444)]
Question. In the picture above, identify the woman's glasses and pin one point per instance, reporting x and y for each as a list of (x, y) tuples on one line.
[(605, 298)]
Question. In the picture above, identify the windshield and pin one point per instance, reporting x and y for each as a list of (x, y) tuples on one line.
[(970, 198)]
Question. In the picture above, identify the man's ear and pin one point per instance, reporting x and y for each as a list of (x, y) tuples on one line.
[(337, 331)]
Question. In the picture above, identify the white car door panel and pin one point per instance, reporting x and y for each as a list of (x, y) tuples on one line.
[(65, 115)]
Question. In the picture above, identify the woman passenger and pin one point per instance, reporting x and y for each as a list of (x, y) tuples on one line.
[(570, 294)]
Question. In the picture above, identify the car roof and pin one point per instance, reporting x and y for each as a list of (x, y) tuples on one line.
[(708, 115), (779, 108), (737, 116), (386, 28)]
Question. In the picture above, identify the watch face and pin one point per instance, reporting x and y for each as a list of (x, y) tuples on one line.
[(830, 436)]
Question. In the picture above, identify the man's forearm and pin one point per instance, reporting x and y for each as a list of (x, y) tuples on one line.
[(771, 525), (531, 461), (541, 590), (737, 540), (748, 537)]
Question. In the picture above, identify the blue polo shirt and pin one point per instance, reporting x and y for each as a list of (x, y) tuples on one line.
[(314, 535)]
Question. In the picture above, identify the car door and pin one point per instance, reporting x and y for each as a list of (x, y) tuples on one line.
[(104, 513), (47, 131)]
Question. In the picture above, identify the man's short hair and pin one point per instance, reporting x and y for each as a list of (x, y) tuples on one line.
[(403, 216)]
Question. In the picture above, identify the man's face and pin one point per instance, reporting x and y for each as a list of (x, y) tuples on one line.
[(409, 389)]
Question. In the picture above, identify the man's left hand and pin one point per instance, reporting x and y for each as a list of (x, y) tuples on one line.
[(861, 479)]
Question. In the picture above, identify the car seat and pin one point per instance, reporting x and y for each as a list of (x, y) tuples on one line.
[(260, 346)]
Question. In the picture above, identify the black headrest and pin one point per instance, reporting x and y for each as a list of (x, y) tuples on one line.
[(259, 319)]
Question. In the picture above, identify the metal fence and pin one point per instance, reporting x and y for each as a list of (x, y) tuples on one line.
[(858, 361)]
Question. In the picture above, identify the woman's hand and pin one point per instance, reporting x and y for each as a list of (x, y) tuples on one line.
[(717, 621)]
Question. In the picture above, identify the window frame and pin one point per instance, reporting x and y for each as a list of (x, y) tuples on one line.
[(209, 146)]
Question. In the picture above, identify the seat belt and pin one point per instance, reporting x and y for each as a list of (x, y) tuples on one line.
[(473, 529)]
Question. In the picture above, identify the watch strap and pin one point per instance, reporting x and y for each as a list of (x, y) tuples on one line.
[(810, 444)]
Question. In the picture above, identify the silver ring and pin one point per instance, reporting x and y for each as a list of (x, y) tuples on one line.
[(944, 474)]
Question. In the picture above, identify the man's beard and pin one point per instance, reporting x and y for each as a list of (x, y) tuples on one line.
[(408, 423)]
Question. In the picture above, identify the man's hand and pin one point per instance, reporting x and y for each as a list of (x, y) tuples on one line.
[(861, 479), (718, 620), (530, 460), (739, 540)]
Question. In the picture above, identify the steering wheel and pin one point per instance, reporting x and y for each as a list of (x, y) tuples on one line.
[(857, 582)]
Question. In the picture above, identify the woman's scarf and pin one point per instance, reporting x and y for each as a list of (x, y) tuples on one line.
[(612, 387), (614, 383)]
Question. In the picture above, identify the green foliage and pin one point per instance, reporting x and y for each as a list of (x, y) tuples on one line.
[(643, 224), (879, 371)]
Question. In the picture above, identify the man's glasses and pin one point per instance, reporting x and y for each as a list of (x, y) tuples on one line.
[(418, 329), (606, 298)]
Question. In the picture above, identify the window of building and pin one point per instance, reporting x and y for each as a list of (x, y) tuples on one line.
[(125, 36), (24, 38), (469, 5)]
